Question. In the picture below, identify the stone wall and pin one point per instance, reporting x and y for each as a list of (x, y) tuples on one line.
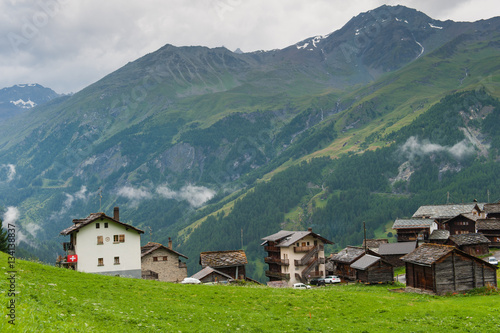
[(168, 270)]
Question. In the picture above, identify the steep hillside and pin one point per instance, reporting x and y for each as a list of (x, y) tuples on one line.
[(169, 136)]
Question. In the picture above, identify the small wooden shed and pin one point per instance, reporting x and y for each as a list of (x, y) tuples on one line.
[(444, 268), (373, 269), (209, 274), (473, 244), (342, 262)]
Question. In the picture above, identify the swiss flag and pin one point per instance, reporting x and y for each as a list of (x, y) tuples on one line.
[(72, 258)]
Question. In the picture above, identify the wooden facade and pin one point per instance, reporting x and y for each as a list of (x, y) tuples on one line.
[(490, 228), (231, 263), (342, 262), (474, 244), (409, 230), (445, 269), (372, 269), (460, 224)]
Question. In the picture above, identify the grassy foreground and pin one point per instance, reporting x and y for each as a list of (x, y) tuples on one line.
[(54, 299)]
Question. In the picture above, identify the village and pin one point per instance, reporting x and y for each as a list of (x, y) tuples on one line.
[(442, 248)]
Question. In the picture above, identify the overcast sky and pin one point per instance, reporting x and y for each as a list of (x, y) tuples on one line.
[(69, 44)]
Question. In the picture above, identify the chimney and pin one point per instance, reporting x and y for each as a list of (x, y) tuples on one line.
[(310, 229), (116, 214), (170, 243)]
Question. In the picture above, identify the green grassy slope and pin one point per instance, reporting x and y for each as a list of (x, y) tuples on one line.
[(52, 299)]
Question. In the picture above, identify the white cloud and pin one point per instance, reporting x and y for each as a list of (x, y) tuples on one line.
[(10, 218), (69, 200), (8, 172), (413, 147), (134, 193), (67, 45), (195, 195)]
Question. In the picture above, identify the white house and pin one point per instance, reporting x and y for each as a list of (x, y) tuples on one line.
[(294, 256), (104, 245)]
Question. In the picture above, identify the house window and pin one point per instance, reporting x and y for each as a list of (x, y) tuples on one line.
[(307, 243), (118, 238), (105, 224), (99, 240), (100, 262), (297, 244), (117, 260), (155, 258), (97, 225), (165, 258)]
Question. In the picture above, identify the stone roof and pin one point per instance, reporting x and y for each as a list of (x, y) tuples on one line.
[(399, 248), (412, 223), (286, 238), (439, 235), (492, 208), (80, 223), (365, 262), (374, 243), (218, 259), (446, 211), (427, 254), (151, 247), (469, 239), (348, 255), (207, 271), (488, 224)]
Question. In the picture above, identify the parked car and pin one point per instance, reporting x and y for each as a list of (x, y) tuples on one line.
[(493, 261), (317, 282), (301, 286), (332, 279), (190, 280)]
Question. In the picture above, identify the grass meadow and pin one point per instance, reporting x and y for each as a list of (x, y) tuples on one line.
[(50, 299)]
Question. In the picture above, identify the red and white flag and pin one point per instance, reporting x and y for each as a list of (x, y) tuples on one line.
[(72, 258)]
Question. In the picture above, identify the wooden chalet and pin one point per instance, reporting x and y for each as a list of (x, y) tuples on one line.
[(211, 275), (342, 262), (414, 229), (492, 210), (490, 228), (445, 269), (392, 252), (464, 223), (473, 244), (373, 269), (439, 236), (231, 263), (442, 213)]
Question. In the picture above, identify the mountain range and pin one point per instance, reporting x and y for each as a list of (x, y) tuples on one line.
[(218, 149), (16, 99)]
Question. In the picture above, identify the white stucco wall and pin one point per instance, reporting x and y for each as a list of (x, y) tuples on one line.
[(89, 251)]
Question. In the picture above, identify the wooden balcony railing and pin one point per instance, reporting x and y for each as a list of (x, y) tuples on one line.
[(279, 261), (271, 249), (314, 274), (278, 275)]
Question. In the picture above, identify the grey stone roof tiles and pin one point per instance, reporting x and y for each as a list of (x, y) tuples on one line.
[(396, 248), (469, 239), (412, 223)]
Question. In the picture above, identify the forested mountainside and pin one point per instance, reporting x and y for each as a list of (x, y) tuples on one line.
[(204, 145)]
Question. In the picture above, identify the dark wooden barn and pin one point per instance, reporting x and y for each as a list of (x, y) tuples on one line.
[(373, 269), (208, 274), (342, 262), (473, 244), (445, 269), (461, 224), (231, 263), (490, 228)]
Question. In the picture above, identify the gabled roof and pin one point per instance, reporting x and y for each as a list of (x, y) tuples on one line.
[(488, 224), (466, 216), (151, 247), (399, 248), (439, 235), (469, 239), (446, 211), (218, 259), (492, 208), (80, 223), (374, 243), (365, 262), (412, 223), (427, 254), (286, 238), (348, 255), (207, 271)]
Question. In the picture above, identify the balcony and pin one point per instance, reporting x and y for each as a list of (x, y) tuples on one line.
[(149, 275), (279, 261), (300, 249), (278, 275), (271, 249), (314, 274), (67, 246)]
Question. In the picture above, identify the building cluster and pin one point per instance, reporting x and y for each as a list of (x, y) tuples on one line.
[(439, 246)]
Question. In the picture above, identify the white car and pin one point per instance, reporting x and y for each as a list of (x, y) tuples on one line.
[(301, 286), (332, 279), (493, 261), (189, 280)]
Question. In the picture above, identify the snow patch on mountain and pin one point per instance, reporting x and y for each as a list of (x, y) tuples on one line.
[(24, 104)]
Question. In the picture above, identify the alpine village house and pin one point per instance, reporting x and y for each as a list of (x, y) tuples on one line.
[(102, 244), (294, 256)]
